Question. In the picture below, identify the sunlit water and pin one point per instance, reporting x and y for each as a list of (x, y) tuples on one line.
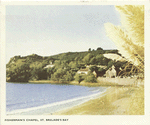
[(34, 99)]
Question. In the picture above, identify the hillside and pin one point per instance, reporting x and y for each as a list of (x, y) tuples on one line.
[(60, 67)]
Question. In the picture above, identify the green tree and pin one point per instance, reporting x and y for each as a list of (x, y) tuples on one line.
[(19, 73), (93, 68), (58, 75), (101, 60), (50, 71), (99, 48), (78, 77), (73, 65), (93, 61), (110, 63), (37, 71), (89, 49), (100, 69), (87, 58), (90, 77), (68, 76)]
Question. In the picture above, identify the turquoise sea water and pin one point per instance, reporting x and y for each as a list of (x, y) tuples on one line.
[(37, 99)]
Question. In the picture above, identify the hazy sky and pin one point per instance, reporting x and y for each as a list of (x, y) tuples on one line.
[(49, 30)]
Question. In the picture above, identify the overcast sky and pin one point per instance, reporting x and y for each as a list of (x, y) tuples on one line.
[(50, 30)]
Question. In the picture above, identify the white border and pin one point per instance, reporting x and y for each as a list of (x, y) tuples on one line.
[(79, 120)]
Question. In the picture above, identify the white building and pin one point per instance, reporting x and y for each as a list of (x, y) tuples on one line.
[(49, 66), (111, 72), (83, 71)]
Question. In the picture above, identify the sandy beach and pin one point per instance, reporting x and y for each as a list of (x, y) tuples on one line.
[(121, 98), (115, 101)]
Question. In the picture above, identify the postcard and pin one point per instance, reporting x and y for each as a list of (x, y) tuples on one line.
[(75, 62)]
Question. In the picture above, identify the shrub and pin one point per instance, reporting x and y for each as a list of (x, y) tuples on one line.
[(90, 77)]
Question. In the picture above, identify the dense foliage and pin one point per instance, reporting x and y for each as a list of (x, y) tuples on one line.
[(90, 77), (19, 72), (64, 66)]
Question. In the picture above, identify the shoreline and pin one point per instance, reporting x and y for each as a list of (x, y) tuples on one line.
[(115, 101), (101, 81), (83, 83), (56, 106), (62, 112)]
